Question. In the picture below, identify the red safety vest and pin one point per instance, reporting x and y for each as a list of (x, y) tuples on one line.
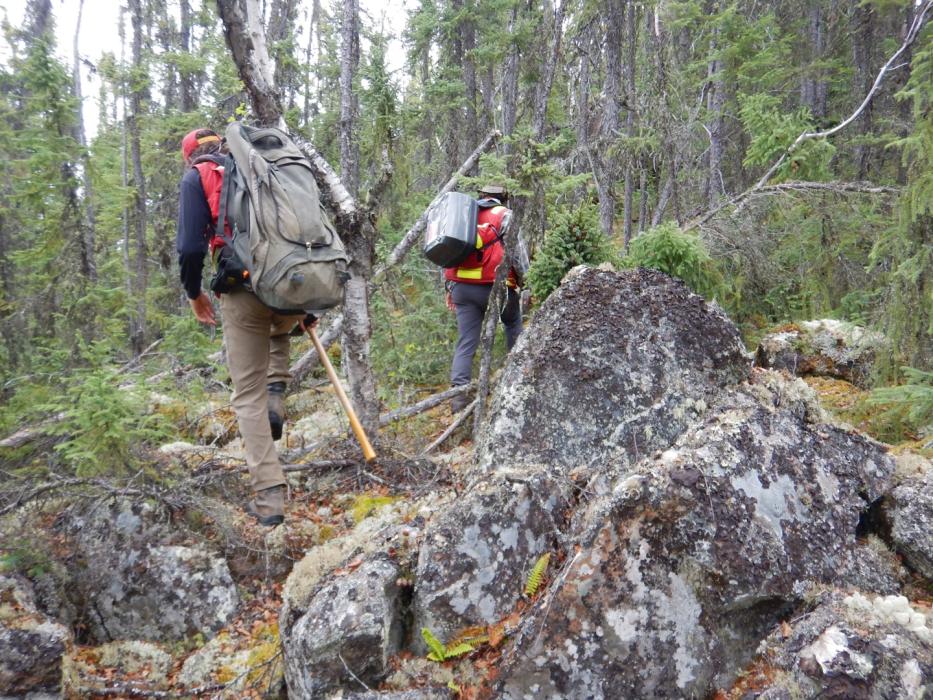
[(480, 267)]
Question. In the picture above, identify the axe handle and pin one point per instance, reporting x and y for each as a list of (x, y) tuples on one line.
[(368, 451)]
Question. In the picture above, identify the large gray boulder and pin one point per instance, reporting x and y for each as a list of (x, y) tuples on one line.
[(31, 645), (476, 555), (849, 646), (700, 551), (350, 629), (136, 579), (909, 512), (613, 364), (823, 348)]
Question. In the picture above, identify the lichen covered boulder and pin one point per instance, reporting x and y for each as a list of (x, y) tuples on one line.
[(612, 364), (823, 348), (31, 645), (847, 646), (700, 551), (909, 512), (476, 555), (137, 578), (351, 627)]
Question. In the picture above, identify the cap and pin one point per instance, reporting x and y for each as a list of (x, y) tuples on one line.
[(195, 138), (494, 190)]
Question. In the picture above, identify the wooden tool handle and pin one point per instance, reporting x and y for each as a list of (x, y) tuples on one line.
[(368, 451)]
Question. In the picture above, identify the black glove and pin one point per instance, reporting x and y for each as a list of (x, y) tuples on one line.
[(307, 321)]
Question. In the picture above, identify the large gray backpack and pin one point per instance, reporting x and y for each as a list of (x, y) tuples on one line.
[(295, 259)]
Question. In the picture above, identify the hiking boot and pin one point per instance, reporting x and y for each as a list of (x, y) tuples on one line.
[(459, 402), (268, 506), (276, 408)]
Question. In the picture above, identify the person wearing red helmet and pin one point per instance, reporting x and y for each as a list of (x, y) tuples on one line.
[(256, 338)]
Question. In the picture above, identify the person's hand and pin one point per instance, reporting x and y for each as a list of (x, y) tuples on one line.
[(203, 309), (450, 301)]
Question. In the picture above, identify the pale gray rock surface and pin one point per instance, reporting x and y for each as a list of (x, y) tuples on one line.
[(851, 646), (476, 554), (136, 580), (31, 645), (351, 626), (700, 552), (909, 512), (823, 348), (612, 363)]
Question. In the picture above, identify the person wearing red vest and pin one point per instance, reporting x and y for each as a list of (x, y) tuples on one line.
[(256, 338), (470, 284)]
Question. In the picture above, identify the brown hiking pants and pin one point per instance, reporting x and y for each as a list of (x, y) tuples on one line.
[(257, 353)]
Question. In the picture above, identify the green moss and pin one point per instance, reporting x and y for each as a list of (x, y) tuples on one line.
[(365, 505)]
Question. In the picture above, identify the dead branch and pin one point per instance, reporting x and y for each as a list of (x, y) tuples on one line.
[(912, 33), (461, 419), (411, 237), (423, 405), (27, 435), (320, 465), (797, 186)]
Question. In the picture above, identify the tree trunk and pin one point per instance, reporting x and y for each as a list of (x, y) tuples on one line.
[(136, 107), (189, 95), (468, 38), (715, 101), (349, 62), (510, 81), (629, 72), (282, 17), (813, 88), (862, 33), (88, 225)]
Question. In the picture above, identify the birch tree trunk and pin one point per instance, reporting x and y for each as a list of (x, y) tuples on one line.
[(88, 224)]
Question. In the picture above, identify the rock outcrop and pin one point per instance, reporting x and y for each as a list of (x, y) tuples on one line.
[(31, 645), (613, 364), (823, 348), (909, 512), (700, 552), (136, 580), (848, 646)]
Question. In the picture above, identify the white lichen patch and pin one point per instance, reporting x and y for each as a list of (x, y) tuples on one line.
[(679, 614), (894, 609), (774, 503)]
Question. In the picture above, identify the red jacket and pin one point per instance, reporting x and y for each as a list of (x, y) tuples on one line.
[(480, 267), (212, 178)]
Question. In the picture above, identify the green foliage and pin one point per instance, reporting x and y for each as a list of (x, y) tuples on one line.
[(104, 427), (537, 574), (440, 652), (574, 239), (773, 130), (668, 249), (908, 408)]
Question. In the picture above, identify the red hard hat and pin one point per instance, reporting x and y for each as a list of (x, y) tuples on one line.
[(195, 138)]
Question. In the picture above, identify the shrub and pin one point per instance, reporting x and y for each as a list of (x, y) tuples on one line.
[(574, 240), (668, 249)]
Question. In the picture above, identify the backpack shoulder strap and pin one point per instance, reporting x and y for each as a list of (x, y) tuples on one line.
[(229, 167)]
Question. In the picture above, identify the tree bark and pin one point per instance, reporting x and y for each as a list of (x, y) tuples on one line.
[(88, 224), (138, 96), (862, 32), (629, 73), (349, 63), (715, 102)]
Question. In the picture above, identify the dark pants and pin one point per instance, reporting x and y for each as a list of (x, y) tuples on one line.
[(470, 301)]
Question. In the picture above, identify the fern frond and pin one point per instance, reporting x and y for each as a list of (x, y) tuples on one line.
[(537, 574), (438, 651), (474, 636), (456, 650)]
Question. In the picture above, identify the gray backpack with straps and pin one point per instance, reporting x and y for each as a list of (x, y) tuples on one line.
[(280, 232)]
